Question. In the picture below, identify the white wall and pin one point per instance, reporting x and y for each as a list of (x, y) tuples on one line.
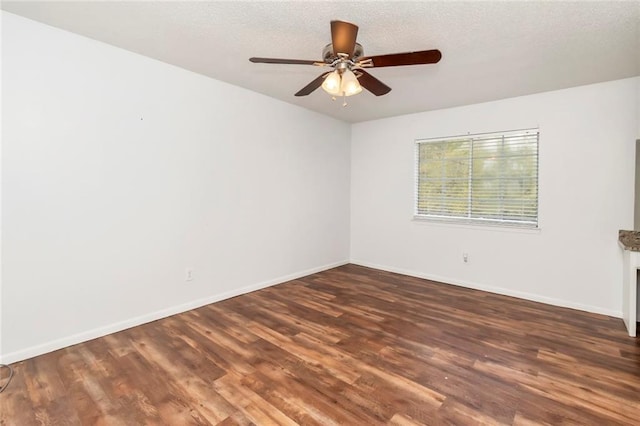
[(587, 143), (118, 172)]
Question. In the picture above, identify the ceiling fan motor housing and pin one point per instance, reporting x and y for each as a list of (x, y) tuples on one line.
[(328, 56)]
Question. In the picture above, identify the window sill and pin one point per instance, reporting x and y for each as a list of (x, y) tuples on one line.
[(460, 223)]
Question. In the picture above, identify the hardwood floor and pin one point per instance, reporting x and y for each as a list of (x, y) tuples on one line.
[(349, 346)]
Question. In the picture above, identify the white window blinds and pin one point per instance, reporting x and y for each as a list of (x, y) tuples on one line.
[(485, 178)]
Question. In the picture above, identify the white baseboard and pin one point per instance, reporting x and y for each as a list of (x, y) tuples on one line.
[(84, 336), (491, 289)]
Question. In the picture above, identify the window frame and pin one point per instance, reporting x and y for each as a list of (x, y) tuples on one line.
[(477, 221)]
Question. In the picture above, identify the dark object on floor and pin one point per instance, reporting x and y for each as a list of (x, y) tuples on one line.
[(6, 385)]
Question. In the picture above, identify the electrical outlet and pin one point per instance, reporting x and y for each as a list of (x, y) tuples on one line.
[(465, 257), (188, 276)]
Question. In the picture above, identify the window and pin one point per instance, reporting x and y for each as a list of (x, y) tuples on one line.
[(484, 178)]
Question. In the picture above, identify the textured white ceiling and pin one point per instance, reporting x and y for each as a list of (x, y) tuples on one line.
[(491, 50)]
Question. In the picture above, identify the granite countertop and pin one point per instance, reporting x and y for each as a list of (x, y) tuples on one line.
[(630, 240)]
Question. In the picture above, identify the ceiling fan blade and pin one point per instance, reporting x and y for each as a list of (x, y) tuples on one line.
[(372, 84), (343, 37), (313, 85), (408, 58), (285, 61)]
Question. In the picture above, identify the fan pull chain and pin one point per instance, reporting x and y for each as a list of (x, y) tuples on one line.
[(344, 99)]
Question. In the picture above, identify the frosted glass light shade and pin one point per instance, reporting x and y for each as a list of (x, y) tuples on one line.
[(331, 84), (350, 85)]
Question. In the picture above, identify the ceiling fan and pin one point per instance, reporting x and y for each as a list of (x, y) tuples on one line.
[(347, 60)]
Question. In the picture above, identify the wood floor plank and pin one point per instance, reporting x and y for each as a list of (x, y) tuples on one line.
[(351, 345)]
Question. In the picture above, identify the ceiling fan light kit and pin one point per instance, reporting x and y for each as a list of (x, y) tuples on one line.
[(345, 57), (342, 84)]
